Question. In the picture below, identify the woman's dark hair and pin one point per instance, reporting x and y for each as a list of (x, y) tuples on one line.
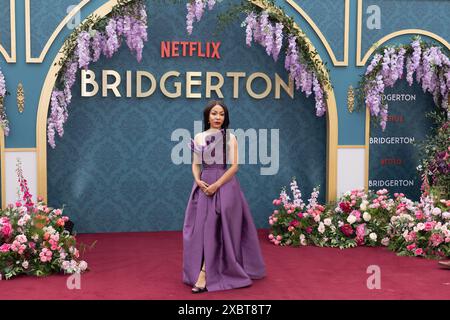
[(226, 122)]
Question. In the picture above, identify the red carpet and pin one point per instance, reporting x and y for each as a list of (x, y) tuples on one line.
[(148, 266)]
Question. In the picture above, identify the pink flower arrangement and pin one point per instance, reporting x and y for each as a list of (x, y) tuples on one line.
[(33, 240)]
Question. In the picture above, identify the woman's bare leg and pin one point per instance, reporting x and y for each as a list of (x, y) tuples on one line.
[(201, 281)]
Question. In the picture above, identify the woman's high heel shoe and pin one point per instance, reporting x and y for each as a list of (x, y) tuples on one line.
[(196, 289)]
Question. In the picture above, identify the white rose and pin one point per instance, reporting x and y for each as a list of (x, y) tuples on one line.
[(83, 265), (385, 242), (405, 234), (420, 226), (327, 222), (351, 219), (321, 228), (363, 205), (25, 264), (317, 218), (446, 215), (367, 216), (340, 224), (436, 211), (65, 265), (373, 236)]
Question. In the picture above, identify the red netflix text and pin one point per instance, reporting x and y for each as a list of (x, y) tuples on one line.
[(170, 49)]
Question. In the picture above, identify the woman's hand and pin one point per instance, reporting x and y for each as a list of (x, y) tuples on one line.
[(211, 189), (202, 184)]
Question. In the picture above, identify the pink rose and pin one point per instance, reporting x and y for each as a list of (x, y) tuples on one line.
[(294, 223), (361, 230), (429, 226), (418, 252), (275, 212), (279, 237), (419, 215), (7, 230), (276, 242), (357, 214), (270, 221), (300, 215), (270, 236), (411, 246), (18, 204), (309, 229), (5, 247)]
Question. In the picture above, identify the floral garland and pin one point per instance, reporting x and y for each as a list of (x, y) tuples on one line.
[(33, 240), (96, 36), (429, 62), (267, 25), (359, 218), (4, 123)]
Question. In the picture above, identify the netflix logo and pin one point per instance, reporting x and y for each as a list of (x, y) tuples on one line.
[(391, 162), (396, 118), (171, 49)]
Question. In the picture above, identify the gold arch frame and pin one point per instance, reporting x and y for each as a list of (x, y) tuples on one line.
[(321, 36), (40, 59), (361, 62), (11, 57), (41, 132)]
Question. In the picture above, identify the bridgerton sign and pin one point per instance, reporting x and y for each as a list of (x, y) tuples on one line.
[(191, 84)]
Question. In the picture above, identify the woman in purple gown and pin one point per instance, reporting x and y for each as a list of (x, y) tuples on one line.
[(220, 244)]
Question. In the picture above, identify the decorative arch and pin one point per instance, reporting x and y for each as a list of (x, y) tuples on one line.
[(361, 62), (368, 54), (44, 102)]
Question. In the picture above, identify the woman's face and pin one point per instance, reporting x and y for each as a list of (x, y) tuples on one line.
[(216, 117)]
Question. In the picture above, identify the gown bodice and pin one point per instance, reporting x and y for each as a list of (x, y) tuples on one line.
[(211, 153)]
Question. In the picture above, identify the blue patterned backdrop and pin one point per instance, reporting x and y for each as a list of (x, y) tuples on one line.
[(113, 168)]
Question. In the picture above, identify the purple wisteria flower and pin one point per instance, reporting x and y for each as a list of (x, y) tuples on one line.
[(431, 66), (4, 123), (190, 17), (318, 93), (413, 61), (199, 9), (82, 50), (133, 27), (250, 23), (196, 9), (112, 43), (97, 45), (278, 40), (2, 84)]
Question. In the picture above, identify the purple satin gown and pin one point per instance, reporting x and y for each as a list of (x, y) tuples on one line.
[(220, 228)]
